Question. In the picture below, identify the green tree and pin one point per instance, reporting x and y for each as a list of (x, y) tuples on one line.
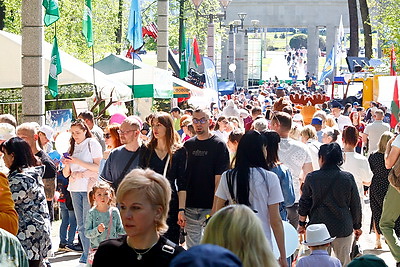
[(367, 27), (353, 17), (298, 41)]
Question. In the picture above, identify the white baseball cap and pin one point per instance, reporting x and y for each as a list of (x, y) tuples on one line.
[(48, 131)]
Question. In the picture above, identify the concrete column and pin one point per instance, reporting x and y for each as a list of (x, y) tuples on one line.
[(162, 39), (246, 61), (312, 49), (33, 94), (231, 53), (210, 40), (239, 59), (224, 59)]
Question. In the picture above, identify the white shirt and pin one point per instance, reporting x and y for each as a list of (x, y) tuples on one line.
[(357, 165), (264, 190), (86, 151), (313, 146), (374, 131), (294, 154), (343, 121)]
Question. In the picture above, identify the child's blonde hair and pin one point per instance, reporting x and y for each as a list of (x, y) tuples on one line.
[(102, 185)]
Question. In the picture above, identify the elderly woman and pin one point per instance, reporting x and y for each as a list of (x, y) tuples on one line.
[(143, 197), (27, 190), (330, 196)]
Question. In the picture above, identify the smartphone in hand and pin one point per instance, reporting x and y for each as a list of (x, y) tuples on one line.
[(67, 155)]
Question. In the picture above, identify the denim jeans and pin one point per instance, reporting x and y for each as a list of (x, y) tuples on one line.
[(195, 219), (67, 218), (81, 209)]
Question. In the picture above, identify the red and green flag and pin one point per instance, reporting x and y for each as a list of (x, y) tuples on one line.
[(395, 107), (196, 53)]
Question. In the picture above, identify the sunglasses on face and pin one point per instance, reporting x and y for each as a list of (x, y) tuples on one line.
[(202, 120), (107, 135)]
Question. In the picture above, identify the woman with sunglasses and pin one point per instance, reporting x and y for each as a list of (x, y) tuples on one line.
[(165, 155), (250, 183), (82, 167), (111, 138)]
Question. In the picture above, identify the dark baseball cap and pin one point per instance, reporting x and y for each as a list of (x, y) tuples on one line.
[(316, 121)]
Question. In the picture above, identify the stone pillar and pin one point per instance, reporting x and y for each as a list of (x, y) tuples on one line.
[(224, 58), (162, 39), (231, 53), (239, 50), (33, 93), (246, 61), (210, 40), (312, 49)]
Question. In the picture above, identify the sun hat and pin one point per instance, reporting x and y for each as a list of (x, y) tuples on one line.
[(6, 131), (317, 235), (48, 131)]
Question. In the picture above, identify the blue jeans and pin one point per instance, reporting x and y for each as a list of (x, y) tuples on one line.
[(67, 218), (195, 219), (81, 209)]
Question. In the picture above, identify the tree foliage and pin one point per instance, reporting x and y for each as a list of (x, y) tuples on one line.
[(386, 20), (105, 25)]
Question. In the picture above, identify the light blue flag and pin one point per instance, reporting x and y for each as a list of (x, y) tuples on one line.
[(135, 36), (328, 67)]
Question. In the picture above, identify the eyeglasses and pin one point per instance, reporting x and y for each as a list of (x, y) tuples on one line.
[(202, 120), (107, 135), (124, 132)]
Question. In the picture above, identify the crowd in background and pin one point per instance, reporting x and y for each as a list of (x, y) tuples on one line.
[(136, 191)]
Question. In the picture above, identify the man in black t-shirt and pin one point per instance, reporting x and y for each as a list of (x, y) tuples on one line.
[(208, 158), (29, 132)]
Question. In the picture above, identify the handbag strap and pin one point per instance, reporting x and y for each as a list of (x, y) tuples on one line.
[(166, 166), (122, 175), (109, 223)]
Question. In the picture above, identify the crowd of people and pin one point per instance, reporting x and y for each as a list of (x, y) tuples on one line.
[(216, 181)]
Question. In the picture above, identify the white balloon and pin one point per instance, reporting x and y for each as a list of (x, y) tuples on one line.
[(62, 142), (291, 240), (232, 67)]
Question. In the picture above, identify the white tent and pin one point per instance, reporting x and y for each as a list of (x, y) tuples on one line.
[(74, 70)]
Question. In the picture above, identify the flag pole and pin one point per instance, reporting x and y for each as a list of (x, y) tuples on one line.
[(94, 76), (55, 34), (133, 68)]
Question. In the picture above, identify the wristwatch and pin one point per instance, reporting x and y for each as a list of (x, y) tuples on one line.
[(302, 223)]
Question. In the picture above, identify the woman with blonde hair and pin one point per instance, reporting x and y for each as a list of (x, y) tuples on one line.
[(143, 197), (309, 137), (379, 187), (237, 228)]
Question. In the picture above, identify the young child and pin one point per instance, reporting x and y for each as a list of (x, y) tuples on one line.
[(103, 221), (318, 239)]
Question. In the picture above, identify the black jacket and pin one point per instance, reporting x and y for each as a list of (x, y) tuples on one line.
[(330, 196)]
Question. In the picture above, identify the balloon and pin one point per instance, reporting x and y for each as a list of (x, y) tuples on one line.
[(291, 240), (232, 67), (62, 142), (117, 118)]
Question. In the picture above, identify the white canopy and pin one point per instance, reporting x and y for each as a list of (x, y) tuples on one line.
[(74, 70)]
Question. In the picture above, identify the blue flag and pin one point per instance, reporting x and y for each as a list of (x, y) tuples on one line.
[(135, 36), (328, 67)]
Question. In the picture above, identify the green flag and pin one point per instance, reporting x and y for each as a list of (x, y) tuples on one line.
[(87, 23), (52, 14), (182, 54), (55, 69)]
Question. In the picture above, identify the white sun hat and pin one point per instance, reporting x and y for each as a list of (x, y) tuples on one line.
[(317, 235)]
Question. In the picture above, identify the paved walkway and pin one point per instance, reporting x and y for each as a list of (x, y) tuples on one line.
[(367, 240)]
